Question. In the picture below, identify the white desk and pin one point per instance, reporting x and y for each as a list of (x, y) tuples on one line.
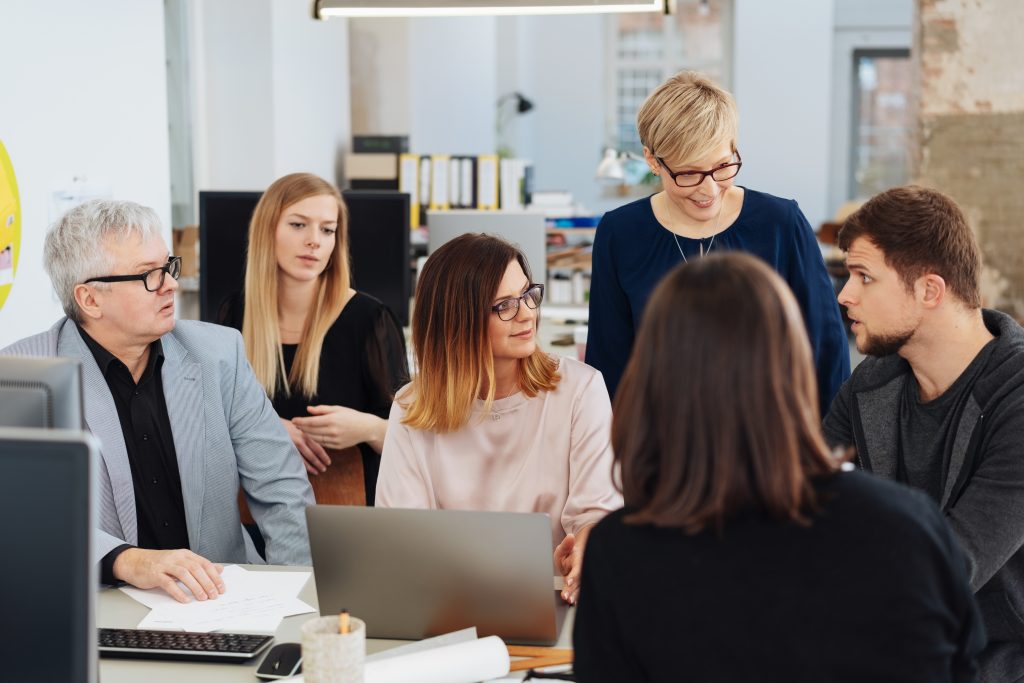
[(114, 609)]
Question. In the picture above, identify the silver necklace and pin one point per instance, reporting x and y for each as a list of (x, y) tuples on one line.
[(497, 416), (700, 240), (718, 220)]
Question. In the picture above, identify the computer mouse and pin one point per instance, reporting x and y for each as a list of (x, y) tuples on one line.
[(282, 661)]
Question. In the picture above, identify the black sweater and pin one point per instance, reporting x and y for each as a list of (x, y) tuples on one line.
[(875, 589)]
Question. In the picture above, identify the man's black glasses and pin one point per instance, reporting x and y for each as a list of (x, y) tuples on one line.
[(695, 178), (152, 280), (509, 308)]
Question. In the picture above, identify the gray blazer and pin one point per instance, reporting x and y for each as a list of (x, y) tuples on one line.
[(225, 433)]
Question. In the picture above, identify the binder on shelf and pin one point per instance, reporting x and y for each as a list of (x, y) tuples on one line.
[(468, 184), (424, 181), (439, 181), (516, 183), (487, 182), (462, 182), (506, 185), (408, 181), (454, 183), (372, 144), (526, 184)]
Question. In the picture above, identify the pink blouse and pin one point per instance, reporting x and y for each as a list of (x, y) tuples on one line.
[(550, 453)]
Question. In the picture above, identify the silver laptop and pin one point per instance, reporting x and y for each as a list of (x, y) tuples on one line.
[(412, 574)]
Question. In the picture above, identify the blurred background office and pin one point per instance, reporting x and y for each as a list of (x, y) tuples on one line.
[(155, 101)]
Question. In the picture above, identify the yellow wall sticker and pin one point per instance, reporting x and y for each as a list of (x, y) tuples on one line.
[(10, 225)]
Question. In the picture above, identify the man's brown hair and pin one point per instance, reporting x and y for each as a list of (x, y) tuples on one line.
[(718, 406), (920, 231)]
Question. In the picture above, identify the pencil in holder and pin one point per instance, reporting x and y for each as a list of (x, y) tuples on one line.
[(332, 657)]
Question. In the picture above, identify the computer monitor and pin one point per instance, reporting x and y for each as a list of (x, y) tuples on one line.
[(526, 230), (49, 579), (378, 234), (378, 243), (41, 392), (223, 239)]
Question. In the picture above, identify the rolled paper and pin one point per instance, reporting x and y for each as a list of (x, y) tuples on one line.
[(476, 660)]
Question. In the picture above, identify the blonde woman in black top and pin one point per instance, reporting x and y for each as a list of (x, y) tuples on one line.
[(329, 357)]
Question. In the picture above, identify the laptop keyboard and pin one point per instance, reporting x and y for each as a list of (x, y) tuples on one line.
[(126, 643)]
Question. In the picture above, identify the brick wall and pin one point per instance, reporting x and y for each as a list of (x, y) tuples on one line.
[(970, 56)]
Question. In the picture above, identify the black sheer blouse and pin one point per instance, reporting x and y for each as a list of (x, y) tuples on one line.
[(362, 364)]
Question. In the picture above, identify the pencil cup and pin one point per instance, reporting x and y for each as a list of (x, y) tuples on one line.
[(332, 657)]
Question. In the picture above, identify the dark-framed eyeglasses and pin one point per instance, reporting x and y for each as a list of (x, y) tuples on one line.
[(152, 280), (695, 178), (509, 308)]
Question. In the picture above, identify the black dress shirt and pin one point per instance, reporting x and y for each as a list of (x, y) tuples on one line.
[(146, 427)]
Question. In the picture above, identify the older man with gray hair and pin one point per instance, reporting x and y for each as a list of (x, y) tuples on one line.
[(180, 417)]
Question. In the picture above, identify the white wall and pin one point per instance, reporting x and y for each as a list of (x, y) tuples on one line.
[(310, 73), (271, 92), (231, 76), (452, 80), (782, 60), (84, 95), (379, 59), (561, 69), (433, 79)]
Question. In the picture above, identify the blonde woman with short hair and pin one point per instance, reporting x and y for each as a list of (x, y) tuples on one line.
[(492, 422), (329, 357), (688, 127)]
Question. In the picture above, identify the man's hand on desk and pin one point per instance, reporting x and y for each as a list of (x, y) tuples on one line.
[(569, 560), (164, 568)]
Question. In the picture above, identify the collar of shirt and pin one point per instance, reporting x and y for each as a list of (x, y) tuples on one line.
[(106, 360)]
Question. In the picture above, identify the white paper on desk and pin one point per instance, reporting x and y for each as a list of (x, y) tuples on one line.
[(211, 615), (158, 597), (247, 614), (252, 602), (236, 580), (467, 662)]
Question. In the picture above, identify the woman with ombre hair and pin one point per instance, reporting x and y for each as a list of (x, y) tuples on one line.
[(745, 551), (490, 421), (330, 358)]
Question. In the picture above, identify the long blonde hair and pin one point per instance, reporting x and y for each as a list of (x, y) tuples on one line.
[(259, 326), (450, 338)]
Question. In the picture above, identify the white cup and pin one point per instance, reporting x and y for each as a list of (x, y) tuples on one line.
[(579, 335), (332, 657)]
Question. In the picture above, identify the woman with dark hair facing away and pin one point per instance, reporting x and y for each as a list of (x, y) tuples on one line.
[(689, 127), (490, 421), (330, 358), (745, 551)]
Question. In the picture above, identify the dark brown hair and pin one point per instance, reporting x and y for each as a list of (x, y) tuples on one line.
[(718, 407), (920, 231), (450, 319)]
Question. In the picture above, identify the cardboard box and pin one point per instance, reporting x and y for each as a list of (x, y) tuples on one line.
[(186, 245)]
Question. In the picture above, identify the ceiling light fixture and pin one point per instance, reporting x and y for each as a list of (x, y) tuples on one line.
[(325, 9)]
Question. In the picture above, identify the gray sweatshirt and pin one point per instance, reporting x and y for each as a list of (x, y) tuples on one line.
[(983, 494)]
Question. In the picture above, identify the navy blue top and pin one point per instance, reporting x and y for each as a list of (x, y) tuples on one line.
[(633, 251)]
